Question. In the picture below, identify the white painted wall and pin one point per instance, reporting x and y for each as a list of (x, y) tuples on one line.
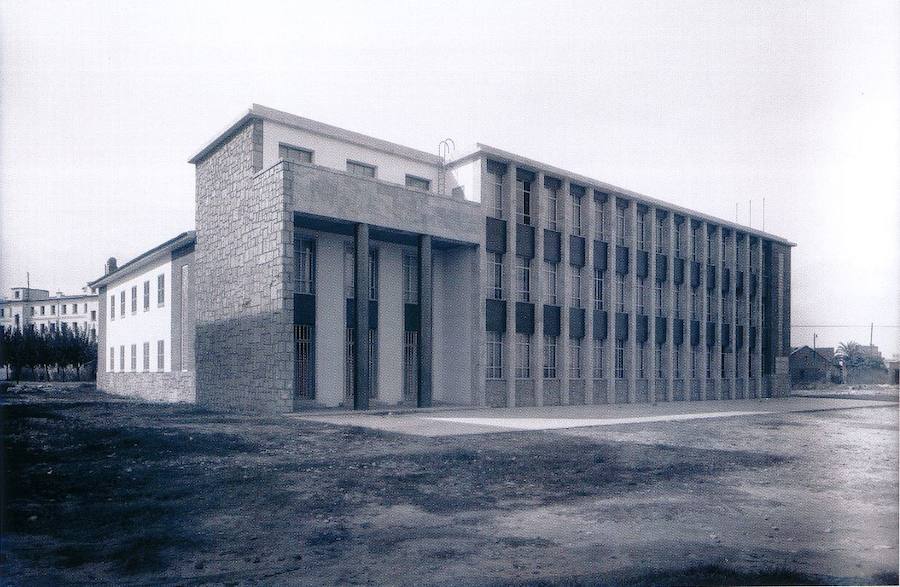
[(453, 314), (142, 326), (333, 153)]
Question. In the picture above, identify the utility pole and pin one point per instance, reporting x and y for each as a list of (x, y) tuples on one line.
[(871, 331)]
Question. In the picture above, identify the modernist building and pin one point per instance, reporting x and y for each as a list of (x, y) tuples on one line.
[(38, 310), (332, 268)]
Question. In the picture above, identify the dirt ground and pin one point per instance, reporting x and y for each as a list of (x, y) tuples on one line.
[(100, 490)]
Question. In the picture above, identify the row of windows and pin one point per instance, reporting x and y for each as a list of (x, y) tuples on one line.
[(160, 297), (160, 357), (63, 310), (494, 359), (52, 327), (298, 155)]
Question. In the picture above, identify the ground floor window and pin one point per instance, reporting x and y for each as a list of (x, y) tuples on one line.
[(694, 361), (641, 361), (709, 363), (348, 367), (523, 356), (599, 363), (576, 370), (550, 357), (304, 341), (410, 364), (676, 363), (373, 362), (660, 365), (494, 358), (620, 359), (146, 350)]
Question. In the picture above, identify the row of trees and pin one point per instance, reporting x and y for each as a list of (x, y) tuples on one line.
[(42, 351)]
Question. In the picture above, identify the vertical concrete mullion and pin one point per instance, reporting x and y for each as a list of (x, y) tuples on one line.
[(562, 347), (651, 307), (670, 323), (509, 290), (361, 325), (610, 345), (590, 233), (426, 326), (717, 293), (704, 318), (759, 317), (537, 297), (631, 307), (732, 309)]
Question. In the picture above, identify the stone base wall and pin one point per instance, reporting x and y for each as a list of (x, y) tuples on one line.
[(170, 387)]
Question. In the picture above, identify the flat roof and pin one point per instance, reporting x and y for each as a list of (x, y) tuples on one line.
[(182, 240), (259, 112), (589, 182)]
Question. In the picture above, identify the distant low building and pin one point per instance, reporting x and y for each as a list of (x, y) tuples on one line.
[(808, 365), (37, 309)]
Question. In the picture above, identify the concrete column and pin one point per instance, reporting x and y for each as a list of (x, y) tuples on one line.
[(509, 288), (612, 276), (361, 324), (426, 328), (759, 317), (717, 304), (590, 232), (537, 292), (670, 327), (565, 300), (631, 307), (651, 306), (704, 318)]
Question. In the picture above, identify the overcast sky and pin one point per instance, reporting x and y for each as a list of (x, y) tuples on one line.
[(702, 104)]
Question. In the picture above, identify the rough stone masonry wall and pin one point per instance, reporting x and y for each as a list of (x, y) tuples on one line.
[(244, 311)]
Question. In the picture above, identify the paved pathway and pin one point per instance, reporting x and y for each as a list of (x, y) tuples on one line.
[(487, 420)]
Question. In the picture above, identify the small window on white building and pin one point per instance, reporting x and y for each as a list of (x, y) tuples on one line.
[(360, 169), (418, 183), (294, 154)]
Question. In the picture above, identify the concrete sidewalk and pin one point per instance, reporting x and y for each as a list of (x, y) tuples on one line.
[(488, 420)]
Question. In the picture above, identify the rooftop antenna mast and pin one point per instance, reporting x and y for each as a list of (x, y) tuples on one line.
[(445, 148)]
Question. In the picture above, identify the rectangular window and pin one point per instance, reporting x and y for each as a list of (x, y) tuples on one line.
[(599, 363), (112, 358), (160, 289), (74, 309), (600, 220), (160, 355), (576, 287), (641, 296), (676, 363), (349, 271), (642, 231), (418, 183), (710, 308), (294, 154), (410, 364), (550, 357), (373, 362), (599, 286), (695, 244), (122, 303), (550, 283), (146, 350), (112, 307), (552, 207), (523, 279), (620, 359), (134, 357), (575, 362), (621, 227), (305, 254), (53, 308), (494, 359), (694, 361), (620, 293), (495, 276), (722, 364), (64, 308), (373, 274), (410, 278), (678, 239), (661, 243), (496, 187), (641, 361), (133, 299), (146, 295), (710, 245), (660, 299), (43, 309), (709, 362), (360, 169), (695, 305), (660, 367), (122, 358), (523, 356), (523, 201), (577, 228), (93, 315)]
